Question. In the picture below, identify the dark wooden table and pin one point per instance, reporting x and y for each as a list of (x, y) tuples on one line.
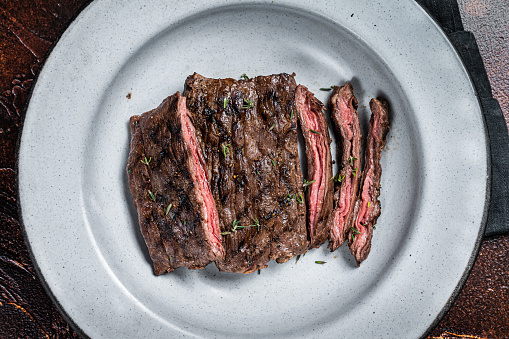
[(28, 28)]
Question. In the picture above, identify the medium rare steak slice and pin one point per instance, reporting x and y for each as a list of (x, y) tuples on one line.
[(346, 126), (367, 207), (167, 178), (319, 187), (248, 130)]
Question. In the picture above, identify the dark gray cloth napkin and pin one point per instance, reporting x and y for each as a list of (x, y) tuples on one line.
[(447, 14)]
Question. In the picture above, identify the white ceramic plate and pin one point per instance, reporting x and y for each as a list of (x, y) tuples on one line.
[(78, 213)]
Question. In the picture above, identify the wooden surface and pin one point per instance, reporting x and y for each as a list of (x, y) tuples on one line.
[(27, 30)]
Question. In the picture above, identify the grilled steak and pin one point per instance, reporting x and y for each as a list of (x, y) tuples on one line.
[(346, 125), (367, 207), (248, 130), (319, 187), (177, 214)]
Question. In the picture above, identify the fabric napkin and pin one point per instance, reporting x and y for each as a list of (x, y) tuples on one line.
[(447, 14)]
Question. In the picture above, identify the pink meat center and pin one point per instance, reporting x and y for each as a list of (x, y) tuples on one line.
[(316, 143), (363, 216), (212, 233)]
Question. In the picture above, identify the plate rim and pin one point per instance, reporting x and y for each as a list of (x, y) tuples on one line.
[(439, 316), (487, 201)]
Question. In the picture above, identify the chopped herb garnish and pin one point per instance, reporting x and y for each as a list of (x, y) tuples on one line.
[(326, 88), (236, 226), (224, 102), (129, 171), (289, 198), (145, 161), (225, 149), (291, 114), (300, 200), (351, 160), (256, 224), (272, 127), (244, 76), (151, 195), (315, 132), (168, 208), (354, 172), (339, 178), (307, 183), (247, 104), (354, 232), (368, 203), (273, 163), (320, 262)]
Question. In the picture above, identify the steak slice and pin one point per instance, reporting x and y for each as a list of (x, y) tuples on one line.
[(345, 122), (367, 207), (177, 214), (248, 130), (319, 187)]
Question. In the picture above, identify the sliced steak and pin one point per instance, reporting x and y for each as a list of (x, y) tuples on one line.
[(367, 207), (248, 130), (345, 121), (167, 178), (319, 187)]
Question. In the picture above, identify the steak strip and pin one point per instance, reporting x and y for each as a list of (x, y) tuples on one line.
[(367, 207), (177, 214), (319, 192), (346, 125), (248, 131)]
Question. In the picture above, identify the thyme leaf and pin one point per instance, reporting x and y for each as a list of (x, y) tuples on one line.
[(300, 200), (339, 178), (256, 224), (307, 183), (291, 114), (297, 259), (151, 195), (273, 163), (145, 161), (244, 76), (320, 262), (272, 127), (315, 132), (225, 149), (247, 104), (354, 172), (224, 102), (168, 208), (326, 88), (351, 160), (354, 232)]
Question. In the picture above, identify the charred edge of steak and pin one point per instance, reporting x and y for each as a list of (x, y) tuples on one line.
[(172, 197), (249, 138), (139, 184), (367, 208), (346, 125), (319, 193)]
